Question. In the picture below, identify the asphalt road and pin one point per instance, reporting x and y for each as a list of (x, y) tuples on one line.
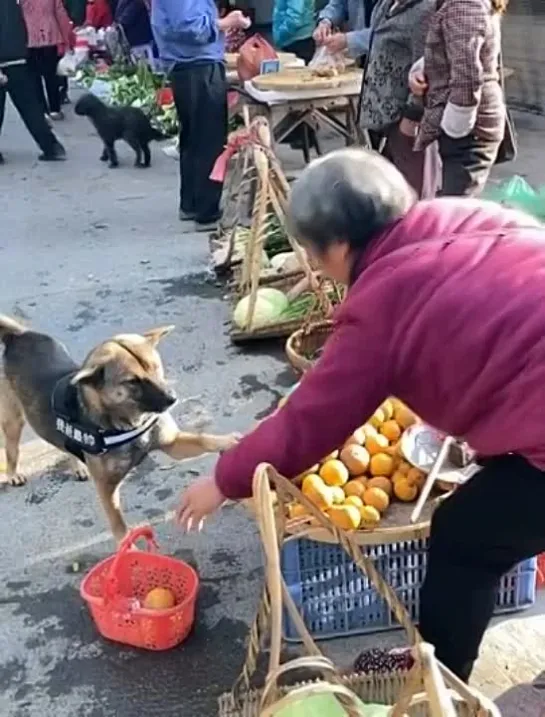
[(86, 252)]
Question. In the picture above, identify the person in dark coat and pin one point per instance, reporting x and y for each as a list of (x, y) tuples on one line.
[(133, 17), (19, 83)]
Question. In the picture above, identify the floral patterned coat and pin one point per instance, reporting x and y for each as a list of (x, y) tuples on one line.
[(47, 23), (398, 36)]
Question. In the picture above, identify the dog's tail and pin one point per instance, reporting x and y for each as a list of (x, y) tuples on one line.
[(10, 327)]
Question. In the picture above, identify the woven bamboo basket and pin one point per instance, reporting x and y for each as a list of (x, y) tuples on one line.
[(427, 690), (303, 345)]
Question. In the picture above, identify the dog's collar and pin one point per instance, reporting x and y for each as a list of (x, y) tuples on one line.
[(81, 436)]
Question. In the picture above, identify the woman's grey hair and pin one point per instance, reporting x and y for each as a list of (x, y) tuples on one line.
[(348, 195)]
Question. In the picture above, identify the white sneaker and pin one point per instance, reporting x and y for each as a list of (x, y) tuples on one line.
[(171, 151)]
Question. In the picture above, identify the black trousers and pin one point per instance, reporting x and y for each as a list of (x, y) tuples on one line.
[(478, 534), (200, 95), (466, 164), (22, 91), (42, 62)]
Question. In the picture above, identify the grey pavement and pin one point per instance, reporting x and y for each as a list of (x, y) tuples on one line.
[(86, 252)]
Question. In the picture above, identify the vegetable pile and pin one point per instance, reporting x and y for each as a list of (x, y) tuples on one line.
[(134, 86)]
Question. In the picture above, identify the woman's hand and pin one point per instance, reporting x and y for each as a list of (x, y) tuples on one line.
[(336, 43), (201, 499), (235, 20), (322, 32), (418, 83)]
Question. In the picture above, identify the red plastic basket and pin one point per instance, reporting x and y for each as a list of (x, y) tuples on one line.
[(115, 588)]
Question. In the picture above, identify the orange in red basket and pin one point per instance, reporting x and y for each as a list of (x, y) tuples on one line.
[(126, 604), (160, 599)]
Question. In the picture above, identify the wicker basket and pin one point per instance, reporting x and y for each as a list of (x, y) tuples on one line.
[(306, 342), (428, 690)]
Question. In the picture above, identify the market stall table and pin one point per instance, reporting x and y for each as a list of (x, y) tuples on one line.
[(335, 108)]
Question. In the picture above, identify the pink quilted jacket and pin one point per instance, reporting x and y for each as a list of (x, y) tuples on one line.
[(47, 22)]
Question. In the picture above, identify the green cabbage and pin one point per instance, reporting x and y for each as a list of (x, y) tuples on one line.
[(269, 305)]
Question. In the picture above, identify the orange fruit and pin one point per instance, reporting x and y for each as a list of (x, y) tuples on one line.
[(354, 500), (388, 408), (405, 491), (417, 477), (369, 430), (312, 469), (317, 491), (355, 458), (404, 416), (382, 465), (333, 472), (393, 451), (296, 510), (376, 444), (381, 482), (345, 516), (369, 516), (376, 498), (377, 418), (354, 487), (391, 430), (357, 438), (404, 467), (338, 494), (398, 475), (159, 599)]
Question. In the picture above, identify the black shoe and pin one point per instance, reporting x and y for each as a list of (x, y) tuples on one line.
[(56, 154), (2, 160), (184, 216)]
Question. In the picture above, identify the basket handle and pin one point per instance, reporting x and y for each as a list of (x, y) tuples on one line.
[(285, 490), (128, 543)]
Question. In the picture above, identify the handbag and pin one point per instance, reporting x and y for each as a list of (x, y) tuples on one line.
[(507, 151)]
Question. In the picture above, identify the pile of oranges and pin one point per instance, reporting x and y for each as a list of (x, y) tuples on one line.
[(356, 484)]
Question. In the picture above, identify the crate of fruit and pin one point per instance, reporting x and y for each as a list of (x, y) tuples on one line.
[(335, 598), (368, 487)]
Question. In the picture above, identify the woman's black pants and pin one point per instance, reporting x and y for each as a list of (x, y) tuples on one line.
[(466, 164), (42, 62), (478, 534)]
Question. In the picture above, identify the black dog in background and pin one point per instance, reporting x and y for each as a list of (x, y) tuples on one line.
[(113, 123)]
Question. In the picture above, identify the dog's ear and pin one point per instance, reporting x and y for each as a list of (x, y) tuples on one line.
[(90, 375), (155, 335)]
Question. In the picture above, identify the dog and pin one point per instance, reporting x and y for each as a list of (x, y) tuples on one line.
[(114, 123), (106, 414)]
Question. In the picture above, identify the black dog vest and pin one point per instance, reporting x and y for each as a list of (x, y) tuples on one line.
[(80, 436)]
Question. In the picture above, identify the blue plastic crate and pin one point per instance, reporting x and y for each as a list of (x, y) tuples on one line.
[(336, 599)]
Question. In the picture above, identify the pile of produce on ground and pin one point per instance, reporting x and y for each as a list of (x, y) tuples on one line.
[(357, 483), (277, 252), (135, 85), (273, 306)]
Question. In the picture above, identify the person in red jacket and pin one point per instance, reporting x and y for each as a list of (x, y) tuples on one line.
[(98, 14), (445, 311)]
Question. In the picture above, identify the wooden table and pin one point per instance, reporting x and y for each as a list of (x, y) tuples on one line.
[(286, 110)]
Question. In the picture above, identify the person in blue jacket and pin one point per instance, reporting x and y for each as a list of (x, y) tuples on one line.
[(190, 36), (293, 24)]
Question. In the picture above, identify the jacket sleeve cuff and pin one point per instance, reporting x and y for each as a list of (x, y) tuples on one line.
[(357, 42), (458, 122), (228, 481)]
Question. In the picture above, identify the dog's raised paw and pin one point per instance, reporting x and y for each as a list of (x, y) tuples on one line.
[(229, 441), (16, 480), (81, 474)]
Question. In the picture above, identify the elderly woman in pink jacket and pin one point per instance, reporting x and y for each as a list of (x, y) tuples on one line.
[(48, 27), (444, 309)]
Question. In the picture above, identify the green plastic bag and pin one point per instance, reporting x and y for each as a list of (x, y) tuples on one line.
[(518, 194), (327, 706)]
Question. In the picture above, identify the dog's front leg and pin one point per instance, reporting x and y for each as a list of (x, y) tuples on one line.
[(112, 155), (107, 485), (180, 445), (105, 156)]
